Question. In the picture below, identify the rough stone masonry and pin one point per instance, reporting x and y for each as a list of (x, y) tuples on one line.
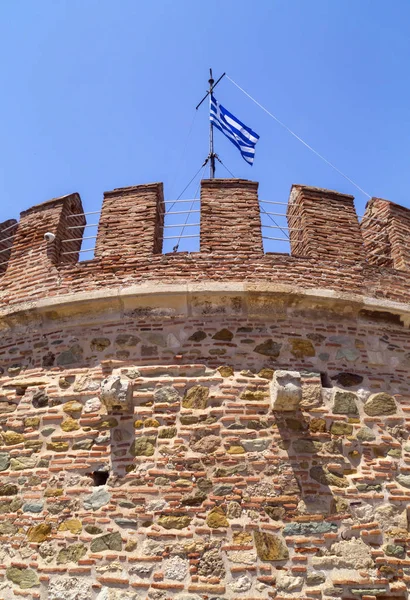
[(221, 425)]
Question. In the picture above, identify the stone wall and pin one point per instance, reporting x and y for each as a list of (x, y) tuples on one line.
[(150, 454)]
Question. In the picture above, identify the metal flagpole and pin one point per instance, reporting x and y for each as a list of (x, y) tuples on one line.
[(211, 132), (212, 155)]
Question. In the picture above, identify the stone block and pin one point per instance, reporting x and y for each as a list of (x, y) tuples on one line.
[(116, 393), (286, 391)]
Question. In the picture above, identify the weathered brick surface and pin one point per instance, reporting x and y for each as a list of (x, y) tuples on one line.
[(323, 223), (131, 222), (242, 436), (7, 231), (386, 234), (230, 216)]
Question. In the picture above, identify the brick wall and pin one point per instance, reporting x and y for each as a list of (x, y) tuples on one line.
[(323, 223), (7, 232), (328, 249), (131, 223), (230, 217), (386, 234)]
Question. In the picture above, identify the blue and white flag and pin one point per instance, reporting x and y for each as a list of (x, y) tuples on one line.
[(240, 135)]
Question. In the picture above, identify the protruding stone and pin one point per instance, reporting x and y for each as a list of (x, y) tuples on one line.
[(167, 433), (4, 461), (100, 497), (287, 583), (110, 541), (306, 446), (256, 445), (8, 489), (269, 348), (32, 422), (309, 528), (166, 394), (380, 404), (11, 438), (266, 373), (315, 578), (174, 521), (276, 513), (224, 335), (74, 526), (116, 393), (404, 480), (217, 518), (302, 348), (234, 510), (66, 382), (22, 462), (126, 340), (57, 446), (72, 553), (70, 424), (39, 533), (196, 397), (241, 584), (24, 578), (72, 408), (143, 446), (85, 444), (317, 425), (225, 371), (365, 434), (270, 546), (324, 477), (341, 428), (286, 391), (207, 444), (72, 356), (99, 344), (69, 588), (344, 403)]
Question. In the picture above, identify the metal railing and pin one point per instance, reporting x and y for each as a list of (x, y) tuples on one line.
[(285, 228)]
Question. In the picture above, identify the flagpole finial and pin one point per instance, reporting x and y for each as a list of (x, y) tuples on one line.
[(211, 81)]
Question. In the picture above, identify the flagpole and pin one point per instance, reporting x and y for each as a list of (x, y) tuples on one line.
[(212, 155), (211, 132)]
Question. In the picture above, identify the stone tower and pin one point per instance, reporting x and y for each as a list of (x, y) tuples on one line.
[(225, 424)]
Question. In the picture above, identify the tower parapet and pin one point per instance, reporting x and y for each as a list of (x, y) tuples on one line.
[(329, 250)]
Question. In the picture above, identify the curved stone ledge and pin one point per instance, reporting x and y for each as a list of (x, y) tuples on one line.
[(256, 300)]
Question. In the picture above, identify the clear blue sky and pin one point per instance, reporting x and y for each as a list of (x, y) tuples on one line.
[(98, 94)]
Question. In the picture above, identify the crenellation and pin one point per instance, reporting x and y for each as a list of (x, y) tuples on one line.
[(7, 233), (230, 216), (328, 247), (131, 224), (386, 234), (323, 223)]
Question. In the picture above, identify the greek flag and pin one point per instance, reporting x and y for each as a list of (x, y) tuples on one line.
[(240, 135)]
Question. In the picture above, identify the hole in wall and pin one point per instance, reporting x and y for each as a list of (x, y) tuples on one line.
[(100, 477), (325, 380)]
